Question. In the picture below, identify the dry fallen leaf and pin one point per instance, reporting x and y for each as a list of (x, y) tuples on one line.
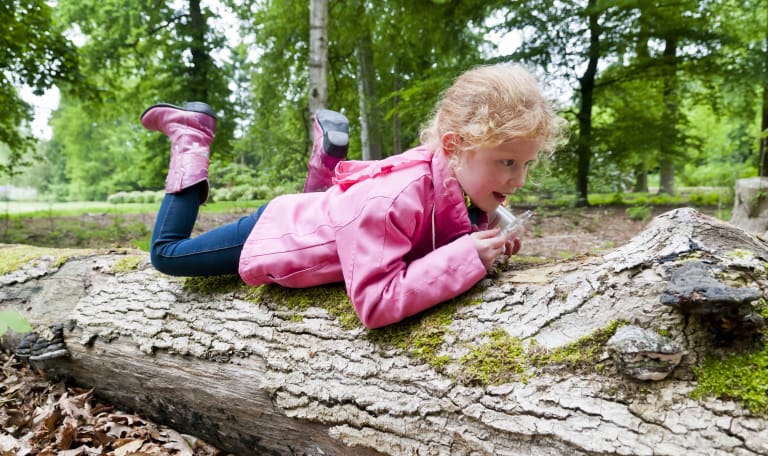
[(50, 419), (176, 442), (8, 444), (128, 448), (75, 452), (78, 406), (66, 433)]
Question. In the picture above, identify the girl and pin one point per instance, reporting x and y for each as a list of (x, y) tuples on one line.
[(404, 233)]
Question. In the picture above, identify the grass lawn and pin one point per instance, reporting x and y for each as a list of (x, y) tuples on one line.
[(91, 224), (74, 208), (103, 224)]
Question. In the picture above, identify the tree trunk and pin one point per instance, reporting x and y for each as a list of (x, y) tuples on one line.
[(397, 146), (201, 61), (643, 57), (318, 56), (370, 123), (641, 177), (586, 91), (668, 152), (274, 371), (763, 165)]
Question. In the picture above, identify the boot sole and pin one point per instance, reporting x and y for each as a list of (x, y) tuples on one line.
[(335, 127), (192, 106)]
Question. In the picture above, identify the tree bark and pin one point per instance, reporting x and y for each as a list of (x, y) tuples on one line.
[(397, 146), (370, 122), (586, 92), (763, 154), (318, 57), (643, 57), (201, 60), (257, 376), (669, 148)]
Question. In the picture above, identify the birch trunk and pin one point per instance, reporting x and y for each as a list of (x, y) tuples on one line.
[(318, 56), (273, 371)]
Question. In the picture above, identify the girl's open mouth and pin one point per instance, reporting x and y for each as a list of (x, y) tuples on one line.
[(500, 197)]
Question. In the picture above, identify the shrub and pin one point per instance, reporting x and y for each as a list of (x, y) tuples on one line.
[(605, 199), (710, 199), (117, 198), (641, 213), (665, 199), (146, 196)]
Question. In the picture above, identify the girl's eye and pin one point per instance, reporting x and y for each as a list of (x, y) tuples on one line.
[(508, 163)]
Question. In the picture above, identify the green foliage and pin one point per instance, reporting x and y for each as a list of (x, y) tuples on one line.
[(664, 199), (717, 173), (139, 52), (694, 108), (10, 319), (641, 213), (606, 199), (35, 53), (136, 197), (251, 192), (711, 198)]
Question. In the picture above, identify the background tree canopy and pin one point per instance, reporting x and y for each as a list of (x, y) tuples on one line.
[(670, 90)]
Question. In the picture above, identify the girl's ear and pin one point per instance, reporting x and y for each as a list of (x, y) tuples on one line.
[(451, 142)]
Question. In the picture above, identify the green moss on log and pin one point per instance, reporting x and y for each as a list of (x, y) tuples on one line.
[(743, 377), (502, 358), (128, 263), (584, 353), (422, 335), (209, 285), (13, 257), (331, 297)]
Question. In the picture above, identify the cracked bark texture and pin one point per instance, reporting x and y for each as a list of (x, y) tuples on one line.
[(253, 379)]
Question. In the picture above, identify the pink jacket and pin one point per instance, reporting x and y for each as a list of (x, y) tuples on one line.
[(396, 231)]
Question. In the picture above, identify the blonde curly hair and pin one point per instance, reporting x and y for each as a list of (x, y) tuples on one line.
[(493, 104)]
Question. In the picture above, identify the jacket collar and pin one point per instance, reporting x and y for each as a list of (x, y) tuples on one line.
[(451, 215)]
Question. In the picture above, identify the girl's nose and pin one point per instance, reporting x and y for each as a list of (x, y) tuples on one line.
[(517, 179)]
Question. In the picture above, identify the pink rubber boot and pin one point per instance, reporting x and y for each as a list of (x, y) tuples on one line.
[(191, 129), (330, 146)]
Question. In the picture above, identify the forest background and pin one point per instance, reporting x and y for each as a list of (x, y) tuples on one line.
[(660, 94)]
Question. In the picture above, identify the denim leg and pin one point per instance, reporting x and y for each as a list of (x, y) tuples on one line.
[(215, 252)]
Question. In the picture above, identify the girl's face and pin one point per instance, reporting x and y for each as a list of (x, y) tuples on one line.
[(490, 175)]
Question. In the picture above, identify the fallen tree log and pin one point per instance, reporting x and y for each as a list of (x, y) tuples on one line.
[(526, 363)]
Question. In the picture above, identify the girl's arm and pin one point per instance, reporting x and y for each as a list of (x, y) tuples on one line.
[(383, 287)]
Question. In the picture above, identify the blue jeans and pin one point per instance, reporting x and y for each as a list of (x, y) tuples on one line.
[(215, 252)]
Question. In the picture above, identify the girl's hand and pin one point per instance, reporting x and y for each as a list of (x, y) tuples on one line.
[(490, 245), (512, 246)]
